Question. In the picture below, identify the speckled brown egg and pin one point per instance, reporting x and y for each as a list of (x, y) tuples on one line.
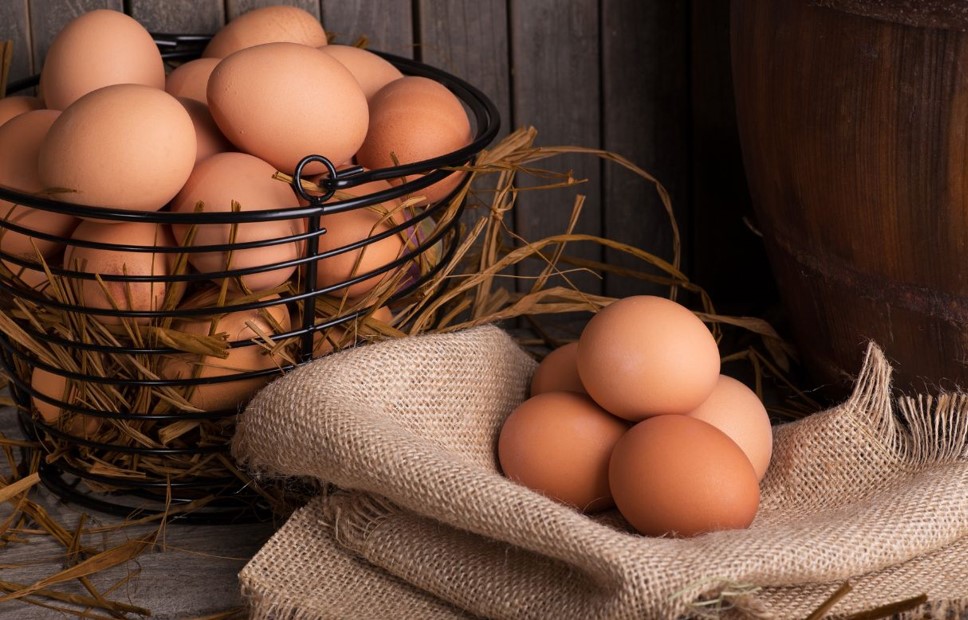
[(126, 146), (413, 119), (370, 70), (20, 142), (235, 327), (134, 296), (270, 24), (247, 181), (97, 49), (190, 79), (16, 105), (679, 476), (284, 101), (559, 444), (646, 355)]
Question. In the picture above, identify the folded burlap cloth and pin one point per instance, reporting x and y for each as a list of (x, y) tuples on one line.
[(420, 523)]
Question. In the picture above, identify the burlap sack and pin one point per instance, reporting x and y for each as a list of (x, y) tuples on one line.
[(421, 524)]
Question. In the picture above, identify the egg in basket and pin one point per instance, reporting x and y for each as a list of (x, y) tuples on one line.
[(186, 219)]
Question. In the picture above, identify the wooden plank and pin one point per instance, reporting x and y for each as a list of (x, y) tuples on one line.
[(15, 26), (179, 16), (728, 257), (387, 24), (471, 42), (47, 17), (555, 56), (192, 573), (234, 8), (645, 119)]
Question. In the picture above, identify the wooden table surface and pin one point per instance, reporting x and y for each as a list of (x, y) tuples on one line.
[(191, 573)]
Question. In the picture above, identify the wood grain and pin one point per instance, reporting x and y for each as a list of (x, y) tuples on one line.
[(471, 42), (181, 16), (555, 54), (861, 194), (386, 24), (234, 8), (47, 17), (191, 573), (14, 26), (724, 245), (645, 52)]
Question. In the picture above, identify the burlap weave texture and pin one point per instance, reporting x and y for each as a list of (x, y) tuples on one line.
[(419, 522)]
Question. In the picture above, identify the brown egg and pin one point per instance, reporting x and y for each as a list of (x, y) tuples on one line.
[(208, 137), (413, 119), (216, 183), (20, 142), (350, 227), (558, 372), (370, 70), (126, 146), (325, 115), (271, 24), (13, 106), (676, 475), (345, 335), (236, 326), (645, 355), (559, 444), (135, 296), (55, 386), (97, 49), (190, 79), (736, 410)]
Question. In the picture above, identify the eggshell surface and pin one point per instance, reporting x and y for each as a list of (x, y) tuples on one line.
[(20, 142), (236, 326), (558, 372), (350, 227), (676, 475), (370, 70), (559, 444), (645, 355), (97, 49), (208, 137), (216, 183), (270, 24), (413, 119), (252, 99), (736, 410), (127, 146), (190, 79), (56, 387), (16, 105), (134, 296)]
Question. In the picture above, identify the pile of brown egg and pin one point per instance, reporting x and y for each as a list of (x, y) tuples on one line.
[(636, 415)]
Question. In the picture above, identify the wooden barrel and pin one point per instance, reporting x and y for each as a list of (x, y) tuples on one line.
[(853, 121)]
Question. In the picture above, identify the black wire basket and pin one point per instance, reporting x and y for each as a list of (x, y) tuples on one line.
[(152, 454)]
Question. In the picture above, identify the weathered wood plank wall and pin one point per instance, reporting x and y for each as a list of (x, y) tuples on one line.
[(648, 79)]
